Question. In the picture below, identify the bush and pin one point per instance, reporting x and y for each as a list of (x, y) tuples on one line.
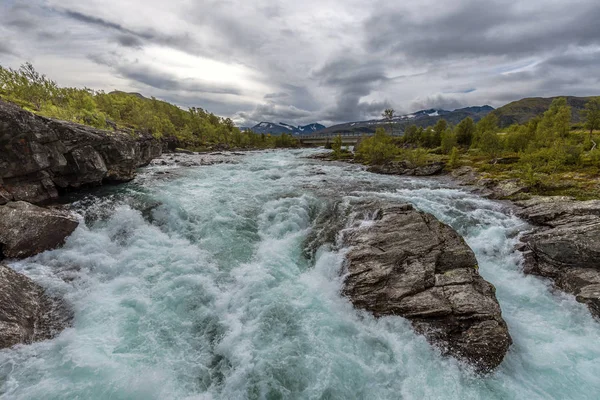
[(378, 149), (453, 161)]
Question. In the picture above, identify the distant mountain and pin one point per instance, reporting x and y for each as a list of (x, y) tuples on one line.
[(423, 118), (523, 110), (279, 128)]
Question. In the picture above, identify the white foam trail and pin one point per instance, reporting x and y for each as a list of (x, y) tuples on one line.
[(196, 287)]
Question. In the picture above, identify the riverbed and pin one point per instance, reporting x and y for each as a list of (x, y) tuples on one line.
[(195, 283)]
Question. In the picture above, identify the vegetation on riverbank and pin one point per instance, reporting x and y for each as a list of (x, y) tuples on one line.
[(547, 154), (193, 128)]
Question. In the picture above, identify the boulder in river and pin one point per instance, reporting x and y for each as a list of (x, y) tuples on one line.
[(27, 314), (39, 156), (565, 245), (26, 230), (408, 263)]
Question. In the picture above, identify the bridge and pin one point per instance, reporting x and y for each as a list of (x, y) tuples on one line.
[(348, 138), (323, 139)]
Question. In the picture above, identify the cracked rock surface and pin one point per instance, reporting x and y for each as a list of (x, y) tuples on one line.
[(408, 263)]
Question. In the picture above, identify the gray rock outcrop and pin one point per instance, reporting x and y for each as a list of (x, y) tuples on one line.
[(39, 156), (408, 263), (27, 314), (406, 168), (26, 230), (565, 245)]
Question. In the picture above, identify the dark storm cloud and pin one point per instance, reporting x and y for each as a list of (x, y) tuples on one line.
[(577, 61), (353, 80), (476, 28)]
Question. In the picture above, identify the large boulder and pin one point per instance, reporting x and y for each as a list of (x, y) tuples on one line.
[(27, 314), (408, 263), (40, 156), (565, 245), (26, 230)]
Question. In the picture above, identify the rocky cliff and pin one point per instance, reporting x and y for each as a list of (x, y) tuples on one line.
[(408, 263), (41, 156), (565, 245)]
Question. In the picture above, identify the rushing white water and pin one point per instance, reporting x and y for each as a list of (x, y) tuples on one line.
[(194, 285)]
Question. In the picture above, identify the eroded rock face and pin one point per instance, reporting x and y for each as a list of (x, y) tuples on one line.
[(26, 230), (39, 155), (27, 314), (410, 264), (565, 246)]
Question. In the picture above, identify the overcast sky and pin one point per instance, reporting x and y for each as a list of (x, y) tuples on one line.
[(311, 60)]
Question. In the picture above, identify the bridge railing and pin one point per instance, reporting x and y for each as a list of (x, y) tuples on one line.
[(342, 134)]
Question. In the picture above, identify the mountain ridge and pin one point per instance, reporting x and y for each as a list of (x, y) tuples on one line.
[(422, 118), (278, 128), (525, 109)]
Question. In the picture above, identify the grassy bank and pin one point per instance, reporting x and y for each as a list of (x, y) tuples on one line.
[(547, 155)]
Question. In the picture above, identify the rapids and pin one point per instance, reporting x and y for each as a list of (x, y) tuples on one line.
[(196, 285)]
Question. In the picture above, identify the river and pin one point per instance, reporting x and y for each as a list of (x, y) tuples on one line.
[(196, 285)]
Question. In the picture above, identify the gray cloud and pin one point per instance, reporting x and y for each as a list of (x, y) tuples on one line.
[(474, 28), (353, 80), (6, 48), (128, 40), (88, 19), (328, 61)]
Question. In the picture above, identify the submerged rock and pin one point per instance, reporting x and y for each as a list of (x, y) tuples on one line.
[(39, 156), (26, 230), (565, 245), (408, 263), (27, 314)]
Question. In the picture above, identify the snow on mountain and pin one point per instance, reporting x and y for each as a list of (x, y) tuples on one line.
[(281, 127)]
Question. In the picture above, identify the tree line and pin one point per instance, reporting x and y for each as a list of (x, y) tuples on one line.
[(546, 145), (194, 128)]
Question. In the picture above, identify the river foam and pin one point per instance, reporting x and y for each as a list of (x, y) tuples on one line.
[(196, 285)]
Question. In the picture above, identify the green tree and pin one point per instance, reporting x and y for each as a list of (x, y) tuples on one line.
[(388, 115), (411, 135), (439, 129), (489, 123), (336, 146), (448, 141), (490, 144), (592, 115), (465, 131), (453, 161), (555, 122), (378, 149)]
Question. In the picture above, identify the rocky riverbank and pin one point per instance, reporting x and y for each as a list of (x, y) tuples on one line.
[(408, 263), (563, 243), (40, 157)]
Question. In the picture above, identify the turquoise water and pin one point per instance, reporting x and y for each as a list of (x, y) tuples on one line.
[(195, 285)]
